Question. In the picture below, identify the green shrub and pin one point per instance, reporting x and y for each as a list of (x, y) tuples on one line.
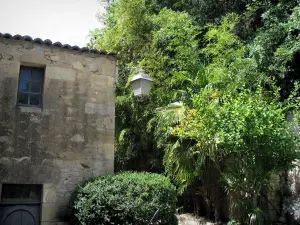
[(126, 198)]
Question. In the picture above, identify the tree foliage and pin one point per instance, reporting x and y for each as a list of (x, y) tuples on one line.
[(166, 45), (223, 83)]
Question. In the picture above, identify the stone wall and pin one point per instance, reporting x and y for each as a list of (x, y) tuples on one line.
[(291, 203), (70, 139)]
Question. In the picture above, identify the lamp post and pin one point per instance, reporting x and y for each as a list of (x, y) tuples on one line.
[(141, 84)]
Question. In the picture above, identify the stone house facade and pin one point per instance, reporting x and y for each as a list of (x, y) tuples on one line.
[(57, 121)]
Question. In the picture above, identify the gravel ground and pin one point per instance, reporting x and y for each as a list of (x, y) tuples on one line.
[(187, 219)]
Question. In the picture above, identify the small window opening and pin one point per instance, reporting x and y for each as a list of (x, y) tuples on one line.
[(21, 193)]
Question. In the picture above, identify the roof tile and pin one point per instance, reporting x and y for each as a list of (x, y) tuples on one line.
[(56, 44)]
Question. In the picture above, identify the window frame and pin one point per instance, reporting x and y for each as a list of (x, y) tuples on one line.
[(41, 94)]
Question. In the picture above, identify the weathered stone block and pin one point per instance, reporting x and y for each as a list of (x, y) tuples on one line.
[(9, 68), (92, 108), (52, 56), (33, 57), (49, 193), (78, 66), (108, 67), (55, 73), (52, 211)]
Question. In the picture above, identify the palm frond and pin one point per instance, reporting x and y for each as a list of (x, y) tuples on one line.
[(172, 114)]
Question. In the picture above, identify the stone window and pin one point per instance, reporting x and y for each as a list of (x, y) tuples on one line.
[(30, 90)]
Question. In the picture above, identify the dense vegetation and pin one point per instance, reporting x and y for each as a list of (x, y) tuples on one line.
[(225, 78), (129, 198)]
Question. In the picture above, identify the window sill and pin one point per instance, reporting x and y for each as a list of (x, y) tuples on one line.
[(25, 109)]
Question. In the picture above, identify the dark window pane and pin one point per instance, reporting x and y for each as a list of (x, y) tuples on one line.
[(23, 98), (25, 74), (11, 191), (34, 100), (26, 191), (24, 86), (35, 192), (37, 74), (22, 191), (35, 87)]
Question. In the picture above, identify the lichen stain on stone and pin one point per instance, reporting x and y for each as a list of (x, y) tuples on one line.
[(35, 120), (10, 149), (51, 56), (77, 138), (5, 161), (5, 139), (9, 57)]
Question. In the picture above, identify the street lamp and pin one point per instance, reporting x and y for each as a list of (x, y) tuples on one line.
[(141, 84)]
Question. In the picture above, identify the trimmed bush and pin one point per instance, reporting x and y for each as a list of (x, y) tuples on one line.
[(126, 198)]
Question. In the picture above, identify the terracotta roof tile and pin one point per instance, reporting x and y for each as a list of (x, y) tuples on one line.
[(56, 44)]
